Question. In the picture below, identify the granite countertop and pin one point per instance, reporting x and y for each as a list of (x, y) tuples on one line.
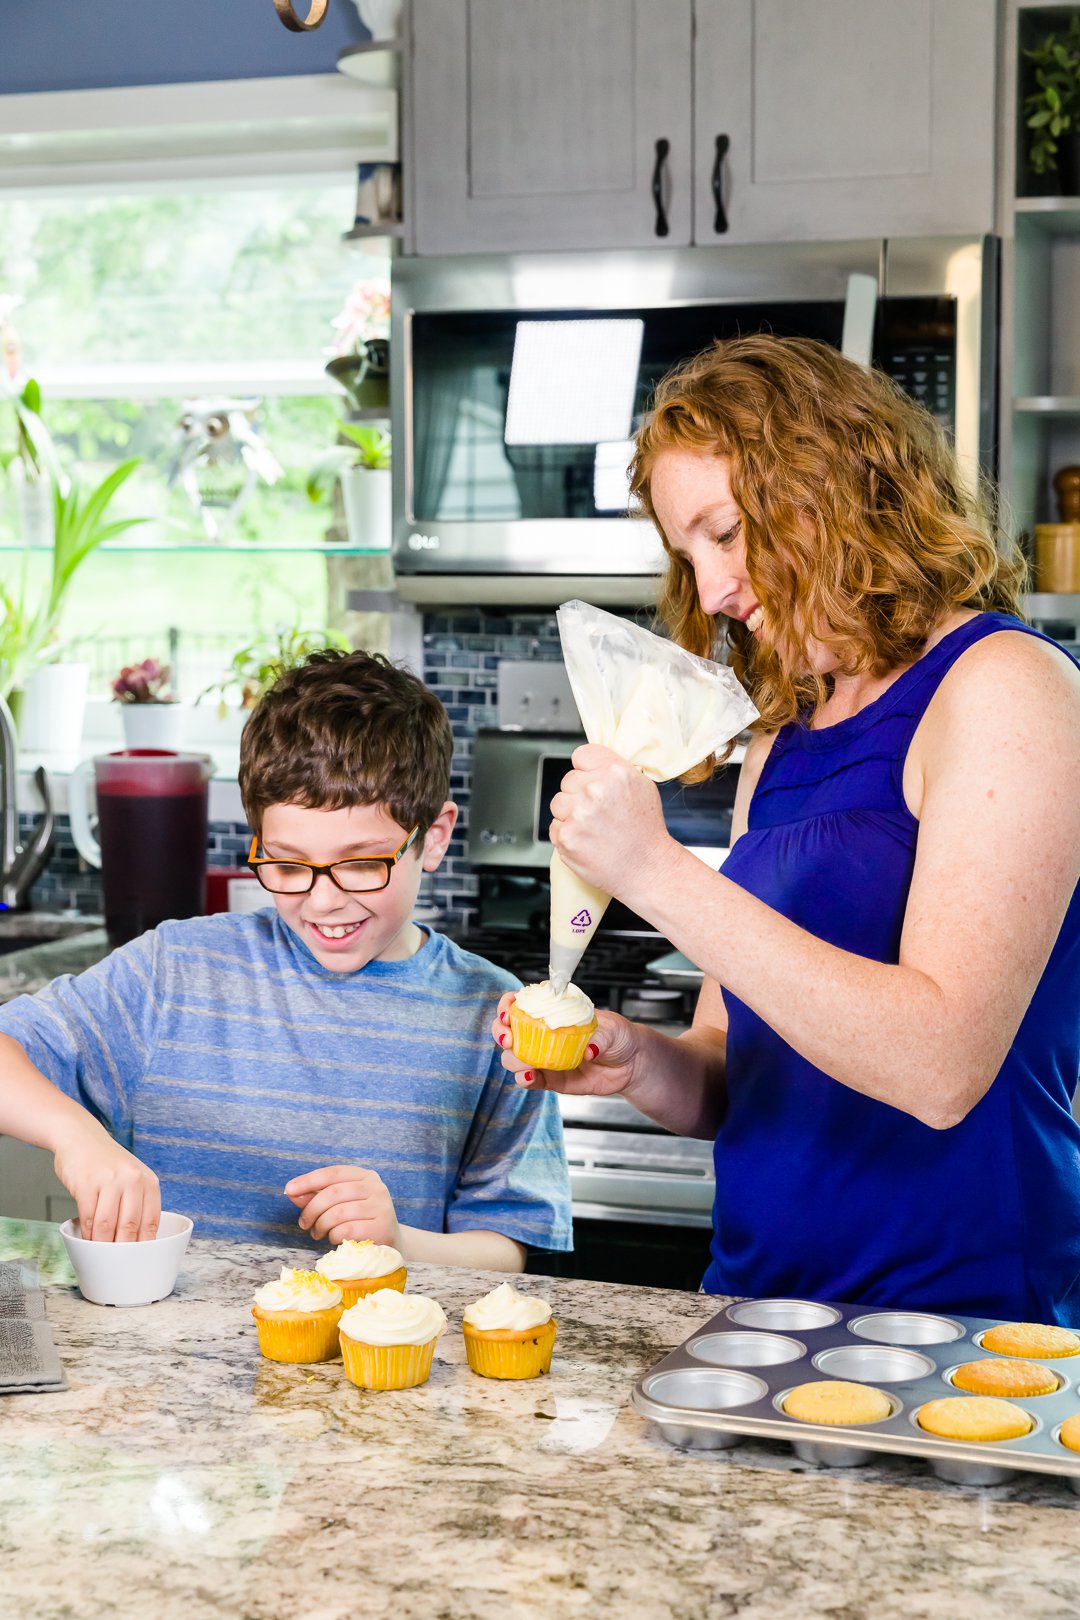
[(182, 1476)]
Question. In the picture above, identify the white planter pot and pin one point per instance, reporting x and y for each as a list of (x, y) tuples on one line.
[(153, 725), (365, 492), (53, 705)]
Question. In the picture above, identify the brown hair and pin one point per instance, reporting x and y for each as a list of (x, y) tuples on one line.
[(860, 530), (347, 729)]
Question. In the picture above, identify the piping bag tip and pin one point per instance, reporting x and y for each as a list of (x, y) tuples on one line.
[(562, 963)]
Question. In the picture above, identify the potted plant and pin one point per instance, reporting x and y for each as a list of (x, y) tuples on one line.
[(151, 714), (32, 462), (257, 666), (360, 353), (1052, 108), (362, 467), (45, 693)]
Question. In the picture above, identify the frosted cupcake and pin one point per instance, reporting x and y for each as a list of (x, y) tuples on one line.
[(388, 1339), (549, 1030), (362, 1268), (297, 1317), (508, 1335)]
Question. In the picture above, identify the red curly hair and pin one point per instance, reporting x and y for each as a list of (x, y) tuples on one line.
[(860, 530)]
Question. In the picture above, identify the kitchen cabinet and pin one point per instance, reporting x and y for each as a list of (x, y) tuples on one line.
[(550, 123), (843, 118), (536, 123)]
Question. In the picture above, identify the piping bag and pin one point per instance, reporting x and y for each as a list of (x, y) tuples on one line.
[(661, 708)]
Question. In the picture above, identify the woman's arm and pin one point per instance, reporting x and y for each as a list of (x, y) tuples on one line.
[(994, 776)]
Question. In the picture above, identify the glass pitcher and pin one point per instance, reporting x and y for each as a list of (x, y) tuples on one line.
[(151, 838)]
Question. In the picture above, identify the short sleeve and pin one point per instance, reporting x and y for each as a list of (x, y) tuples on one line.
[(514, 1177), (92, 1034)]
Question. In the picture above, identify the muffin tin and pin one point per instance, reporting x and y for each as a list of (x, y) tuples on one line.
[(728, 1380)]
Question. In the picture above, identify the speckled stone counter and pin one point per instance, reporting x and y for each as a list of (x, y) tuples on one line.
[(182, 1477), (83, 943)]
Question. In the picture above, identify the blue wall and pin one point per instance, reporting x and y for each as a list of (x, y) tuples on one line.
[(99, 44)]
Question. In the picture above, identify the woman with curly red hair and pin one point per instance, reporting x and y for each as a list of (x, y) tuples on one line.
[(887, 1040)]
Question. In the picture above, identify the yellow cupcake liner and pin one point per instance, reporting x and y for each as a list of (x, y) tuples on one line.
[(298, 1335), (534, 1042), (502, 1354), (358, 1287), (386, 1366)]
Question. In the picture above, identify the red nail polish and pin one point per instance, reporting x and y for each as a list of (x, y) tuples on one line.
[(592, 1050), (503, 1039), (528, 1077)]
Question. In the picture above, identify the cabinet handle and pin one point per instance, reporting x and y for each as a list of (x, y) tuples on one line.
[(662, 149), (720, 217)]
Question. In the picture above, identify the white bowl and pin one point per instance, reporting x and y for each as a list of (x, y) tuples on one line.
[(128, 1273)]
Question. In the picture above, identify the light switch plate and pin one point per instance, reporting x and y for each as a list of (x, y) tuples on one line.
[(536, 697)]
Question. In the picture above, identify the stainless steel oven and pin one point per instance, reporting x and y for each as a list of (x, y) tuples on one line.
[(642, 1197), (519, 380)]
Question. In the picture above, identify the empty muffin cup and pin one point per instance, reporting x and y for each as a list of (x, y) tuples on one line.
[(906, 1327), (745, 1349), (783, 1315)]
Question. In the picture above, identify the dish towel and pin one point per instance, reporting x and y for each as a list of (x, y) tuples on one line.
[(29, 1364)]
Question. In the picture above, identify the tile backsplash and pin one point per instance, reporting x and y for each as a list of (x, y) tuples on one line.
[(462, 650)]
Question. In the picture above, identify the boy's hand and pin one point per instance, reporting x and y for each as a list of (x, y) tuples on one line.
[(342, 1201), (118, 1197), (608, 1069)]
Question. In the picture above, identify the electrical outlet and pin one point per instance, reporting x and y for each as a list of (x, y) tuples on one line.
[(536, 697)]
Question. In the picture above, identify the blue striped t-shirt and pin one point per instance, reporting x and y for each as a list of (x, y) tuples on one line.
[(229, 1060)]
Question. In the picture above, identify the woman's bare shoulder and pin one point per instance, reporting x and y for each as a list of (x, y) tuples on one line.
[(1009, 689)]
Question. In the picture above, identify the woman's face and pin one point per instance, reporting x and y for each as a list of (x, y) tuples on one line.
[(691, 494)]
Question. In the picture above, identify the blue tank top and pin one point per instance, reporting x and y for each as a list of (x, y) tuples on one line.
[(824, 1193)]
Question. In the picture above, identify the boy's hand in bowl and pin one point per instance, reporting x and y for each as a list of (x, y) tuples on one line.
[(608, 1067), (118, 1197), (343, 1201)]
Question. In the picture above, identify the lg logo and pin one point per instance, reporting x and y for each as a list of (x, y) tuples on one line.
[(423, 542)]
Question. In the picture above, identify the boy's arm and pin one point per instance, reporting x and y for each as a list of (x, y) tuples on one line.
[(343, 1201), (116, 1195), (70, 1057)]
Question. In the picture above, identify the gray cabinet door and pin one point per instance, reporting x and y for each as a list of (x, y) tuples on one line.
[(844, 118), (535, 124)]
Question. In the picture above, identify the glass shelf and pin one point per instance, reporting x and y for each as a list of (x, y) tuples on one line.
[(1048, 404), (1056, 216), (254, 548)]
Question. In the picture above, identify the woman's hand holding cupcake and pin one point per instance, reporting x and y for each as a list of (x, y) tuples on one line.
[(604, 1068), (343, 1201)]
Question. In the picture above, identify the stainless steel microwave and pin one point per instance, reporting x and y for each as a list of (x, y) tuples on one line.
[(519, 380)]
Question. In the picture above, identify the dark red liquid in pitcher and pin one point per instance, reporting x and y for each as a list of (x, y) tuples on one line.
[(153, 859)]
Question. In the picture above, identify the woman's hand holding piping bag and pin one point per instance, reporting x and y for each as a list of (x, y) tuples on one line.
[(607, 821)]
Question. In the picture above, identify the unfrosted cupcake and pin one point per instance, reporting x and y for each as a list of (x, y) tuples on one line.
[(973, 1417), (388, 1339), (549, 1030), (1031, 1339), (835, 1400), (1069, 1433), (297, 1317), (508, 1335), (363, 1267), (1010, 1376)]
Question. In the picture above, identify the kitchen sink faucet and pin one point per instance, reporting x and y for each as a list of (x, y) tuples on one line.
[(20, 865)]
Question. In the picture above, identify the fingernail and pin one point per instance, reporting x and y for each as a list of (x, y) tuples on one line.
[(503, 1039), (528, 1077), (592, 1050), (505, 1017)]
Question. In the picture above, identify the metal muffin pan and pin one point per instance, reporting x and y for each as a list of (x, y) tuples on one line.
[(727, 1382)]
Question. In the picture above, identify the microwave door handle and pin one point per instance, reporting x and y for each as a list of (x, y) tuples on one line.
[(662, 149), (860, 309), (720, 218)]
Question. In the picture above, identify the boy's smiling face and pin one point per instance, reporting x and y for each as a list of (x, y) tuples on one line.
[(378, 925)]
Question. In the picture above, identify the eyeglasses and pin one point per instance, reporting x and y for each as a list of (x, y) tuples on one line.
[(362, 876)]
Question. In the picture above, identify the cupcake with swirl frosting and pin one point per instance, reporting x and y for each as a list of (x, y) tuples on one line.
[(297, 1317), (363, 1267), (550, 1030), (388, 1339), (508, 1335)]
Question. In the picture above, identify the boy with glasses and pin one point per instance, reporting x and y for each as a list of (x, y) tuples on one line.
[(327, 1050)]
